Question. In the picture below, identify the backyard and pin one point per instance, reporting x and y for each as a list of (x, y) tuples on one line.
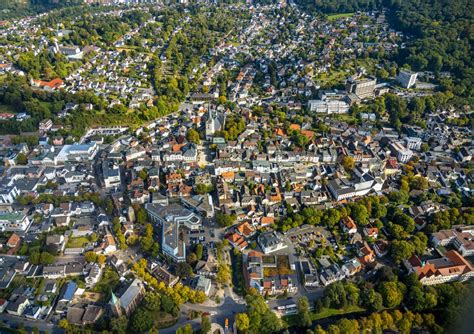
[(77, 242)]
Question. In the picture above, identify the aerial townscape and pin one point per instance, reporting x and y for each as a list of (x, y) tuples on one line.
[(246, 167)]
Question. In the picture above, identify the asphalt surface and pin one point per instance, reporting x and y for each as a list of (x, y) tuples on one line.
[(13, 321), (218, 314)]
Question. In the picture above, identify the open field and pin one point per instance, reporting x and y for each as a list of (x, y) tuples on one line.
[(77, 242), (294, 320), (339, 16)]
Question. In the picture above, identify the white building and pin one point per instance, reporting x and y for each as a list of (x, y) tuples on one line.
[(407, 79), (77, 153), (328, 106), (413, 143), (8, 194), (111, 173), (14, 222), (171, 218), (270, 242), (402, 154), (214, 123)]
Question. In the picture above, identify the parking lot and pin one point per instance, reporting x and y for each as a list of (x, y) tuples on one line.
[(207, 233)]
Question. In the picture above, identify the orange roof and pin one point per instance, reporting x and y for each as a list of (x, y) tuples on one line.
[(253, 253), (457, 259), (177, 147), (110, 240), (295, 127), (267, 220), (349, 223), (392, 163), (369, 255), (53, 84), (243, 245), (234, 237), (13, 240), (245, 229), (279, 132), (308, 134), (228, 175), (371, 230), (275, 198)]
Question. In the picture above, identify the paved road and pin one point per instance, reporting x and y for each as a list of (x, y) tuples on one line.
[(13, 321), (218, 314)]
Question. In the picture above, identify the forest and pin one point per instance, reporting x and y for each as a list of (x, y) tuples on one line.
[(17, 8), (441, 39)]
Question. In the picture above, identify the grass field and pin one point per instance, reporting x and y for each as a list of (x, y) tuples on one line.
[(332, 78), (6, 109), (339, 16), (77, 242), (330, 312), (295, 320), (165, 320)]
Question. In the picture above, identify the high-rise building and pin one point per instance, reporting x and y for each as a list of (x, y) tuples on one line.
[(407, 79), (363, 88)]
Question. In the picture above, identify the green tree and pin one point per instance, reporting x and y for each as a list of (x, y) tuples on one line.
[(184, 270), (371, 299), (303, 312), (90, 256), (392, 293), (401, 250), (348, 163), (225, 220), (205, 325), (193, 136), (223, 273), (64, 324), (199, 251), (141, 216), (242, 322), (261, 318), (143, 174), (141, 321), (152, 301), (119, 325), (360, 214), (187, 329), (202, 189), (21, 159)]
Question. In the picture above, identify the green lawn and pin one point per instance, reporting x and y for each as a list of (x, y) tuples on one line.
[(344, 118), (6, 109), (339, 16), (77, 242), (333, 78), (165, 320), (294, 320), (46, 104), (330, 312)]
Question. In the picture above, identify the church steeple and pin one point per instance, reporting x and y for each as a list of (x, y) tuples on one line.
[(114, 304)]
